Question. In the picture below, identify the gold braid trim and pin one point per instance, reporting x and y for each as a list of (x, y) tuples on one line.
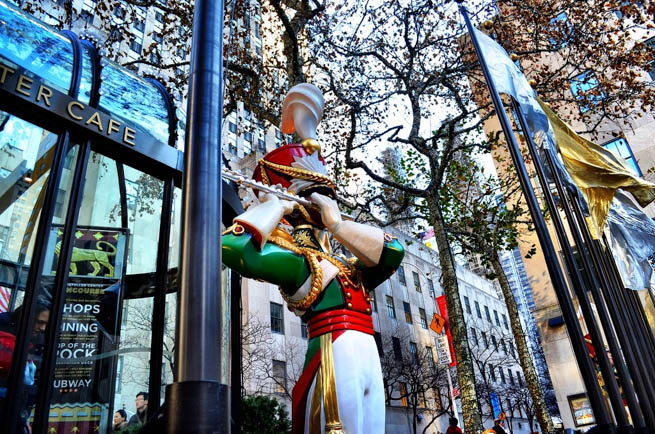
[(325, 386), (297, 172), (347, 272)]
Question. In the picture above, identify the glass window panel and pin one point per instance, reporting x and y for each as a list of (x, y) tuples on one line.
[(33, 45), (86, 82), (30, 209), (101, 285), (134, 100)]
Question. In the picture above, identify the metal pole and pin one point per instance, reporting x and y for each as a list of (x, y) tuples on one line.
[(557, 278), (453, 402), (199, 400), (593, 280), (632, 314), (622, 329), (577, 281)]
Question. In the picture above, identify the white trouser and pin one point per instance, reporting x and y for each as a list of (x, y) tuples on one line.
[(360, 390)]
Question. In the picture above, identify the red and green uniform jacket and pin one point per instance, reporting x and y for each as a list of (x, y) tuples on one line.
[(341, 306)]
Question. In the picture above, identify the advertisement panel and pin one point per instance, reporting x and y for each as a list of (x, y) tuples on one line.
[(82, 387)]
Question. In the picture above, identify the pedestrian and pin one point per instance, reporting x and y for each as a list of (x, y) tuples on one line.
[(141, 416), (453, 428), (120, 420), (8, 330), (498, 427)]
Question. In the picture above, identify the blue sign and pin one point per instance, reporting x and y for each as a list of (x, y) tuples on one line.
[(495, 404)]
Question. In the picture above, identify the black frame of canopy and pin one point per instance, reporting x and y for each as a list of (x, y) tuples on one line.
[(166, 164)]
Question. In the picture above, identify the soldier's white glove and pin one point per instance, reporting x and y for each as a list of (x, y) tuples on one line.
[(262, 219), (330, 213), (364, 241)]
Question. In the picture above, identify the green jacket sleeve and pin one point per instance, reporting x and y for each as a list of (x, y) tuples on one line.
[(392, 255), (272, 264)]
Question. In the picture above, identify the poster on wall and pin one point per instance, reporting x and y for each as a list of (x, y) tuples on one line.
[(81, 386), (581, 410)]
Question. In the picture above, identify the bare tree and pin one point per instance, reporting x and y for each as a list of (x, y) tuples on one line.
[(412, 377)]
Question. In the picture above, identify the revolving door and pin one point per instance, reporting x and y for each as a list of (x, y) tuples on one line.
[(90, 209)]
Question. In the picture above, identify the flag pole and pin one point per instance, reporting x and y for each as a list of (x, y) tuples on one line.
[(557, 278), (576, 277), (603, 316), (623, 329)]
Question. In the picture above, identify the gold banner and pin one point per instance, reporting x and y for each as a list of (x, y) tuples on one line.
[(597, 172)]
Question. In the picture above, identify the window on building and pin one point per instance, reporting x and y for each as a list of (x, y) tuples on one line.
[(119, 12), (505, 322), (492, 372), (139, 25), (401, 275), (621, 148), (374, 305), (518, 378), (157, 37), (232, 126), (159, 17), (431, 288), (424, 319), (650, 66), (277, 318), (429, 357), (477, 310), (586, 89), (474, 336), (87, 17), (278, 134), (279, 376), (413, 350), (303, 329), (501, 371), (60, 203), (247, 136), (402, 388), (136, 47), (504, 346), (256, 30), (397, 351), (494, 342), (496, 318), (391, 310), (261, 144), (560, 31), (467, 305), (232, 146), (485, 343), (511, 349), (378, 343), (408, 312), (119, 374), (510, 376), (417, 282), (486, 313)]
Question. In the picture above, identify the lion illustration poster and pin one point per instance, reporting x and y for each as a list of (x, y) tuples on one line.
[(97, 252)]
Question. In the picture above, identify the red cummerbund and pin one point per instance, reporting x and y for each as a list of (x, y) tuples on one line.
[(342, 319)]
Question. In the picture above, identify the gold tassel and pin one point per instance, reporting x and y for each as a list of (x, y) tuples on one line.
[(329, 386), (325, 392)]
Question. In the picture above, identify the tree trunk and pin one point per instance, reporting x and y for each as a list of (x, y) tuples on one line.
[(465, 372), (543, 416)]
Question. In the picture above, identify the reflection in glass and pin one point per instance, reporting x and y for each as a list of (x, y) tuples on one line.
[(134, 100), (31, 44), (86, 82), (26, 396)]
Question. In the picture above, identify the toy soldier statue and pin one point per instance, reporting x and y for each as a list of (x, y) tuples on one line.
[(340, 389)]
